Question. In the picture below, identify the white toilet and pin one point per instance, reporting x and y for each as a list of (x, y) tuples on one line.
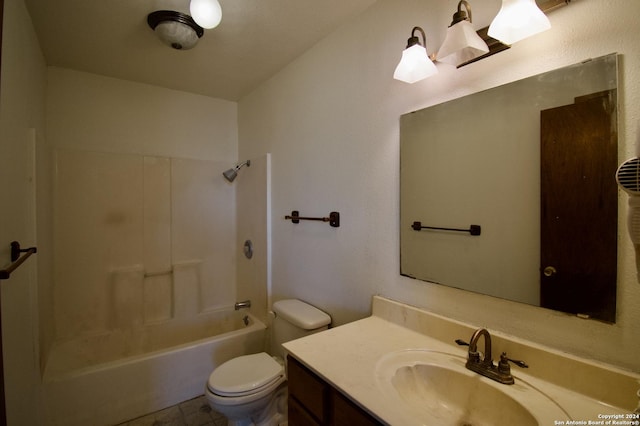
[(251, 389)]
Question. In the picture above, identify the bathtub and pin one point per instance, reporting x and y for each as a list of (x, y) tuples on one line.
[(112, 377)]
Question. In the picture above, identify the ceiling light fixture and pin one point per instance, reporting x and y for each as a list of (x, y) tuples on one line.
[(517, 20), (206, 13), (415, 64), (175, 29), (462, 42)]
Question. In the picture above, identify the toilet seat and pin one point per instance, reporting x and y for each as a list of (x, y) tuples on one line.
[(245, 375)]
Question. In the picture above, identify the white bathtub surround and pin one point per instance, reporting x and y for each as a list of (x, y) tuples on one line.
[(127, 293), (347, 357), (189, 276), (141, 306), (118, 376), (157, 286), (151, 235), (144, 273)]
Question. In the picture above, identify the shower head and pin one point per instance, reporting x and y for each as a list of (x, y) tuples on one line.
[(231, 174)]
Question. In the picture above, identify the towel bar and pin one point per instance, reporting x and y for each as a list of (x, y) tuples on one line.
[(473, 229), (333, 219), (16, 259)]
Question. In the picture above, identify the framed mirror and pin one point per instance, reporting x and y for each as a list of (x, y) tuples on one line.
[(511, 192)]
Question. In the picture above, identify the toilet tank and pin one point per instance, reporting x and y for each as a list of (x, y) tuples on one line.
[(294, 319)]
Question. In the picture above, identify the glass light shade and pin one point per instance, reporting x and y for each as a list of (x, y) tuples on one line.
[(206, 13), (461, 44), (414, 65), (517, 20), (177, 34)]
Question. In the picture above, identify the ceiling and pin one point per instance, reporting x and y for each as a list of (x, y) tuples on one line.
[(255, 39)]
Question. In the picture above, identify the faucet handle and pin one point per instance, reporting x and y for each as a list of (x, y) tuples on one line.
[(461, 342), (504, 361)]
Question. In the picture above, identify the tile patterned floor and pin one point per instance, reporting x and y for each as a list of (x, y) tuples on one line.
[(194, 412)]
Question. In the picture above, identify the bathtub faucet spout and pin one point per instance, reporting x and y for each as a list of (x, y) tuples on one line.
[(245, 304)]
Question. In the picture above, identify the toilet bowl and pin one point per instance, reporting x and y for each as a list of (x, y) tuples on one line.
[(251, 390)]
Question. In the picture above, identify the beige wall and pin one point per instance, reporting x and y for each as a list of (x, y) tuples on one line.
[(331, 122), (21, 127), (94, 113)]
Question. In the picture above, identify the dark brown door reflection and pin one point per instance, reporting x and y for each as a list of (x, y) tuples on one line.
[(579, 207)]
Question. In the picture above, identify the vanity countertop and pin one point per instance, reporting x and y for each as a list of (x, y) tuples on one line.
[(346, 357)]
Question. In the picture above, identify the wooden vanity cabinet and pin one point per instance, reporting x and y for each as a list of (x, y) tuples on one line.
[(314, 402)]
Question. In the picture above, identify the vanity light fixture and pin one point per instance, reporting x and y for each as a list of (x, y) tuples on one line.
[(415, 64), (462, 43), (517, 20), (175, 29), (206, 13)]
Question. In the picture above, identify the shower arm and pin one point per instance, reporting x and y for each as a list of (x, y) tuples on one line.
[(246, 163)]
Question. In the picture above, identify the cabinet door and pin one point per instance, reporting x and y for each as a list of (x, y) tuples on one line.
[(307, 391), (298, 415), (346, 413)]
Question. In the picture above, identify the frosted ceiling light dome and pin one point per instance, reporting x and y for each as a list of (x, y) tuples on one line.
[(462, 42), (175, 29), (206, 13), (517, 20), (415, 64)]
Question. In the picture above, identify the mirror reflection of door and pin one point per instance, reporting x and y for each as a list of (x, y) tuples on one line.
[(579, 207)]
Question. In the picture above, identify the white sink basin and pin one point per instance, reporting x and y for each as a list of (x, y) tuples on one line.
[(435, 388)]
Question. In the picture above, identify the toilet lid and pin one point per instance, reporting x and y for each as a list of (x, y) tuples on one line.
[(245, 374)]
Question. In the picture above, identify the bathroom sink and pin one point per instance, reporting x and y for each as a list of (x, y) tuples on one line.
[(435, 388)]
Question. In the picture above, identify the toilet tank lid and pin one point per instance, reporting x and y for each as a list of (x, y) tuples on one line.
[(301, 314)]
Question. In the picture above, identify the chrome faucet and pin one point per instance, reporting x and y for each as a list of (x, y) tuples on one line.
[(485, 366), (244, 304)]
